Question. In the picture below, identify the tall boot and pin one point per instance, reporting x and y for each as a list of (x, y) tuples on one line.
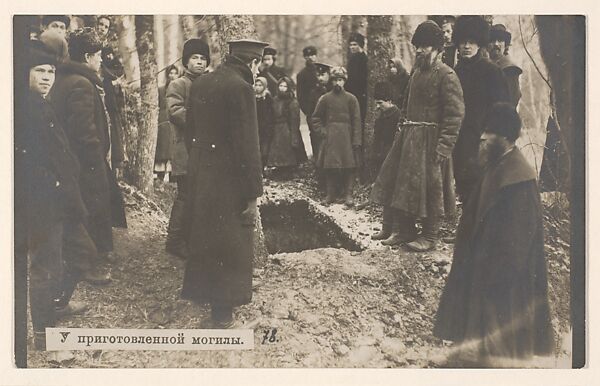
[(175, 243), (427, 240), (349, 189), (386, 226), (330, 185), (404, 229)]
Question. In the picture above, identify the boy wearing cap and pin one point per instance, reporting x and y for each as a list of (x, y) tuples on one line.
[(495, 298), (195, 59), (337, 119), (52, 195), (225, 176), (58, 23), (500, 40)]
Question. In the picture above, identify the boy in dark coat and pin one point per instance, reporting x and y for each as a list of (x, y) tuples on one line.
[(337, 119), (386, 123), (483, 85), (52, 195), (225, 176), (195, 59), (264, 115), (358, 72), (495, 303)]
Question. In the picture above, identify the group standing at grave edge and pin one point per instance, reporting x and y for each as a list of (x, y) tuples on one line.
[(449, 122)]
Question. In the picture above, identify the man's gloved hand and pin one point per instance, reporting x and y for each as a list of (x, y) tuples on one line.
[(249, 214)]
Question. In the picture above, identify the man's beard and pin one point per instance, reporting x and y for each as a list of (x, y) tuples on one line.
[(423, 61), (489, 155), (337, 88)]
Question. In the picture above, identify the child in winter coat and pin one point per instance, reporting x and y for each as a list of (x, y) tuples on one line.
[(264, 114), (286, 149)]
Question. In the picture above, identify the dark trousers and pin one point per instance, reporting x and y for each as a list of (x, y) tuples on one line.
[(177, 229), (45, 272), (79, 255)]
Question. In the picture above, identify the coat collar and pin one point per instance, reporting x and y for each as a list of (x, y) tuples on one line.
[(511, 169), (72, 67), (506, 61), (237, 65)]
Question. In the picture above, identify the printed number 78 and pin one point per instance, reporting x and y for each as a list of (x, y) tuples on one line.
[(270, 336)]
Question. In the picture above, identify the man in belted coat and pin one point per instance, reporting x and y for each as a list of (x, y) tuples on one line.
[(225, 180), (500, 40), (195, 59), (409, 184), (483, 85), (495, 303)]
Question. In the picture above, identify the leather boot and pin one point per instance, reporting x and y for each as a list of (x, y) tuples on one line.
[(330, 182), (404, 230), (427, 240), (349, 189), (175, 243), (386, 227)]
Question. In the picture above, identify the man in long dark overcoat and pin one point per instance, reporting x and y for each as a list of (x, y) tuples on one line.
[(483, 85), (495, 303), (225, 180), (410, 182), (307, 81), (498, 47), (77, 98)]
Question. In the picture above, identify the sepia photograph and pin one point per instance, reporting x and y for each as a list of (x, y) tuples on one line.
[(299, 191)]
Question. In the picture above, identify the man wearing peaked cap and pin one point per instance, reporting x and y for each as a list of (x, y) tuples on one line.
[(307, 81), (483, 84), (500, 40), (195, 59), (225, 180)]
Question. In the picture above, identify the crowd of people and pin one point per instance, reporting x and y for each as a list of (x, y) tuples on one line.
[(449, 123)]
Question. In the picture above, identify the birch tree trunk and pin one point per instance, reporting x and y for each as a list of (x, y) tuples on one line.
[(143, 163), (231, 27)]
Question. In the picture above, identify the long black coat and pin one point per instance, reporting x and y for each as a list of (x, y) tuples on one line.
[(358, 73), (265, 116), (306, 81), (224, 173), (78, 104), (483, 85), (386, 127), (52, 171), (496, 293)]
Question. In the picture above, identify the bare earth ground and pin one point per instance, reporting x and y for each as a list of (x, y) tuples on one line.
[(331, 307)]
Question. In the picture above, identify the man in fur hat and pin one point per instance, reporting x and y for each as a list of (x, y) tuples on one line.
[(483, 85), (409, 184), (495, 303), (195, 59), (500, 40), (225, 177), (337, 120), (269, 70)]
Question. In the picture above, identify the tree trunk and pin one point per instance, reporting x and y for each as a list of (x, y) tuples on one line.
[(380, 51), (231, 27), (143, 163)]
